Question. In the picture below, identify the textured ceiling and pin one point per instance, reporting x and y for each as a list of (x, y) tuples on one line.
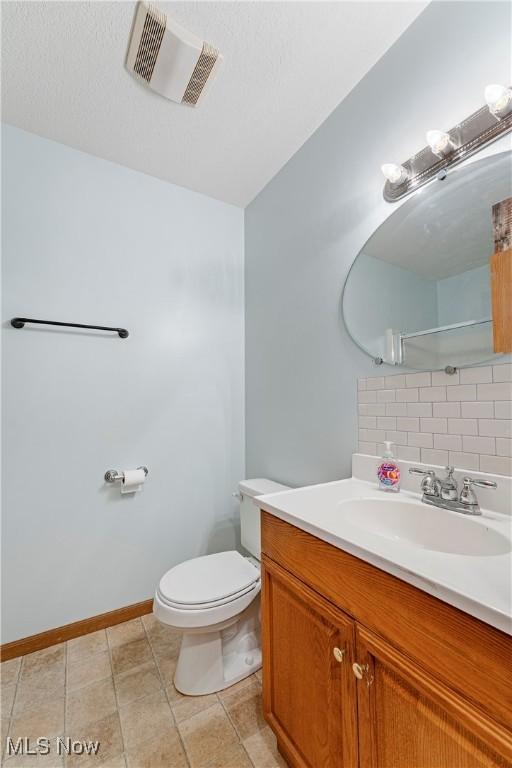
[(287, 66)]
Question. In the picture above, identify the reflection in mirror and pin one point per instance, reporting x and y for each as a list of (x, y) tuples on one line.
[(419, 292)]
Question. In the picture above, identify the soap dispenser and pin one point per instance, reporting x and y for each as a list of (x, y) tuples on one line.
[(388, 472)]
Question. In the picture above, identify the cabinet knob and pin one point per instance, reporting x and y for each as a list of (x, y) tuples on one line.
[(362, 670), (339, 654), (358, 671)]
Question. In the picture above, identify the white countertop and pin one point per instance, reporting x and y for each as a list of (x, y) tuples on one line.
[(480, 585)]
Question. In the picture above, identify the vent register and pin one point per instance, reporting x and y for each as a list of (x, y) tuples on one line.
[(168, 58), (150, 42), (201, 73)]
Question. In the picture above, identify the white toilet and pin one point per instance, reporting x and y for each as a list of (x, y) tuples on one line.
[(214, 601)]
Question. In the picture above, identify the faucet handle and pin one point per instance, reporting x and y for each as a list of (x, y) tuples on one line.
[(430, 485), (468, 482), (468, 496)]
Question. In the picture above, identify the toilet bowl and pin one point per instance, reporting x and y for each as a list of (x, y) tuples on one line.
[(215, 601)]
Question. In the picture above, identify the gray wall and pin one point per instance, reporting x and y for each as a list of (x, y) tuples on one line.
[(89, 241), (305, 228)]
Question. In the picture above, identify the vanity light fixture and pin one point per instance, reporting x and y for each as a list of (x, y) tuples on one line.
[(446, 149), (394, 173), (440, 143), (499, 100)]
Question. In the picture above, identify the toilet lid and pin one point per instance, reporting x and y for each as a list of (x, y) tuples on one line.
[(208, 579)]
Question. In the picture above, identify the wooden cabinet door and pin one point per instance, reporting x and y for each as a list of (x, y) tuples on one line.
[(309, 690), (408, 719)]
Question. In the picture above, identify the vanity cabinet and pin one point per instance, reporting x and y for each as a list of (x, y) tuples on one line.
[(363, 670)]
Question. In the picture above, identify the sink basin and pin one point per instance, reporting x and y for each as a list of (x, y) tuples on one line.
[(422, 526)]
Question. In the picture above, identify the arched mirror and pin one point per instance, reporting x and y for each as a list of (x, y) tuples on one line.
[(424, 291)]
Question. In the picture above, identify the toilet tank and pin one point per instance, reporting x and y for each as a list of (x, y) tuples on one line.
[(250, 512)]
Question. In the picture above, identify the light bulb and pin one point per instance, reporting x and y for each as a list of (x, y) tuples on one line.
[(439, 142), (395, 174), (499, 99)]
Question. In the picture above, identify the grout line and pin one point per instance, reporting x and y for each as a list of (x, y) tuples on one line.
[(230, 719), (240, 741), (65, 759), (109, 649), (164, 688), (88, 685), (157, 665), (248, 755), (11, 713)]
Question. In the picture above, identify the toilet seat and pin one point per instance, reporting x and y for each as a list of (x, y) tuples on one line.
[(206, 591), (208, 581), (203, 606)]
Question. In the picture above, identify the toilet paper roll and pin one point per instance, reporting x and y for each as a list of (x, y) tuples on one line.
[(133, 480)]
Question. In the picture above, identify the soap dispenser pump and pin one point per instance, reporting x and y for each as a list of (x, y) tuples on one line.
[(388, 472)]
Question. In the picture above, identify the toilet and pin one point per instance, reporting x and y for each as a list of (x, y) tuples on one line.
[(214, 601)]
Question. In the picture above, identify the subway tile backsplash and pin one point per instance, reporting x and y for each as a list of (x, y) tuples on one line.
[(434, 418)]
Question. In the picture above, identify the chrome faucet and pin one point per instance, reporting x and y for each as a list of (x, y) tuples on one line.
[(445, 493)]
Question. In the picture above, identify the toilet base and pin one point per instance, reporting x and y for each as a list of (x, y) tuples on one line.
[(214, 660)]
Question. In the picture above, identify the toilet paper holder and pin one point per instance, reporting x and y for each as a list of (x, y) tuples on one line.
[(111, 475)]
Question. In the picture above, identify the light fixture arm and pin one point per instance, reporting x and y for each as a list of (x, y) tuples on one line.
[(468, 137)]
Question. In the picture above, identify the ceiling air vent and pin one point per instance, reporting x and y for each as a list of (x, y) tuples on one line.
[(150, 42), (168, 58), (201, 73)]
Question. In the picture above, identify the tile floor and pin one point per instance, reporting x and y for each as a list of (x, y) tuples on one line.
[(116, 686)]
